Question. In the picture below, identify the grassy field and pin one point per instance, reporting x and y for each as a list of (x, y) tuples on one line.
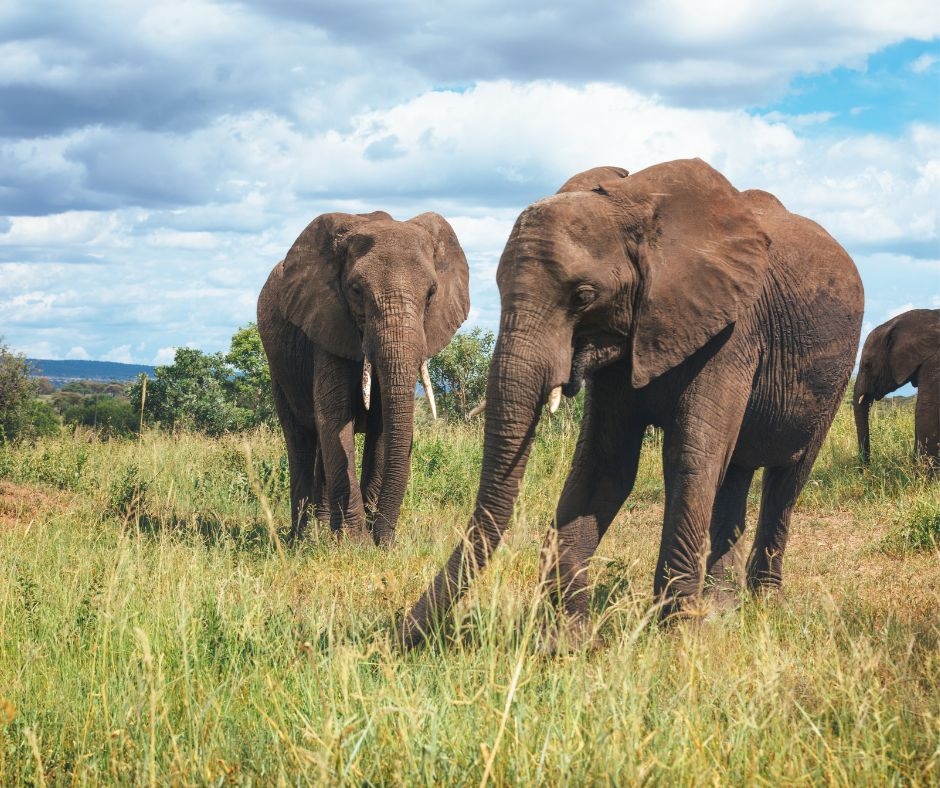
[(151, 631)]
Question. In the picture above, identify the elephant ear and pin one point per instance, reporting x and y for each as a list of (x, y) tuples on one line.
[(592, 179), (311, 287), (910, 342), (702, 256), (451, 303)]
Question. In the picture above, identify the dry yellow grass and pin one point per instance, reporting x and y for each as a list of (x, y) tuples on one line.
[(149, 632)]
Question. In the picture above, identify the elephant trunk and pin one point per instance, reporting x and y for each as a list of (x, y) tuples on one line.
[(517, 388), (861, 406), (397, 350)]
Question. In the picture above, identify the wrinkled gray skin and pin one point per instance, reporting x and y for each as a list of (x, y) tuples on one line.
[(906, 349), (683, 303), (355, 287)]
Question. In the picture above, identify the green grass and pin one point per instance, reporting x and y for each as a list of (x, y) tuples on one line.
[(151, 631)]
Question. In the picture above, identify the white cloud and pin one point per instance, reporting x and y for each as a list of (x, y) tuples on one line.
[(924, 63), (122, 353), (171, 152), (164, 355), (78, 352), (478, 156)]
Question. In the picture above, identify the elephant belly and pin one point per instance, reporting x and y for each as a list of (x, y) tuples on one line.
[(807, 352)]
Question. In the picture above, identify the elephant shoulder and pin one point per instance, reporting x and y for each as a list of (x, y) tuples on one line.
[(761, 202), (269, 299), (593, 178)]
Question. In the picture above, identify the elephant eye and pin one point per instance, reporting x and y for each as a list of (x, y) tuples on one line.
[(584, 296), (356, 289), (431, 293)]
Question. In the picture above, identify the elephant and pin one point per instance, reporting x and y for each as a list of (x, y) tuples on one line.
[(906, 349), (714, 314), (359, 299)]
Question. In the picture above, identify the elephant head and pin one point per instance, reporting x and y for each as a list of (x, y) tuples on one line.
[(645, 268), (388, 293), (894, 353)]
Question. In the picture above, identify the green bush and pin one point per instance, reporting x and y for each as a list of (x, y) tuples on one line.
[(40, 419), (109, 416), (922, 531)]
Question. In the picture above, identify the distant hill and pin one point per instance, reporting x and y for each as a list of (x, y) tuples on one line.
[(63, 370)]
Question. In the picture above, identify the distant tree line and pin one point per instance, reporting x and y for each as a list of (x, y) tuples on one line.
[(213, 393)]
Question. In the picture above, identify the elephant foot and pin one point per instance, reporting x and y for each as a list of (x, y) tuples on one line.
[(721, 598), (768, 591), (353, 534), (693, 608), (573, 635)]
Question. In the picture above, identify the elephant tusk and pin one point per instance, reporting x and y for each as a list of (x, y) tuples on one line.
[(366, 382), (481, 406), (554, 399), (428, 389), (860, 398)]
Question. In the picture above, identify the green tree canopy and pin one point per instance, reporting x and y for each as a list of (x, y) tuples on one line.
[(194, 392), (459, 372), (251, 384), (16, 393), (109, 415)]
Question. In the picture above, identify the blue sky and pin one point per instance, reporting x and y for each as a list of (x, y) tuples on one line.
[(893, 88), (157, 158)]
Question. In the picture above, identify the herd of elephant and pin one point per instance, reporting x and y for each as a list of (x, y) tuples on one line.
[(675, 299)]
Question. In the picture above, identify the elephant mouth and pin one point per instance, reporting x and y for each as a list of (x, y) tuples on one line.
[(579, 367), (589, 356)]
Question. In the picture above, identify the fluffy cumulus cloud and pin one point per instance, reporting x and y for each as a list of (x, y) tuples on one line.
[(156, 159)]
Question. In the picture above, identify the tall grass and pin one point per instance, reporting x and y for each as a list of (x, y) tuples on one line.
[(151, 632)]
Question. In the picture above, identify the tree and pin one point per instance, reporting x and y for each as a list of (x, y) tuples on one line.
[(43, 386), (41, 419), (109, 415), (194, 392), (252, 381), (459, 371), (16, 394)]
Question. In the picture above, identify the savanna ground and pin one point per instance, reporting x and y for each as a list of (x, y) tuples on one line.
[(152, 632)]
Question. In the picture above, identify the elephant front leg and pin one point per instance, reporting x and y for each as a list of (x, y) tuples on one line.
[(321, 498), (333, 396), (602, 475)]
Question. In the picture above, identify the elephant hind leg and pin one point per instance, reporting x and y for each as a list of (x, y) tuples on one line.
[(724, 566), (781, 488), (927, 412), (301, 454)]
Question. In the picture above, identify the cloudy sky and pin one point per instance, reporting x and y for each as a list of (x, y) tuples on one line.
[(157, 158)]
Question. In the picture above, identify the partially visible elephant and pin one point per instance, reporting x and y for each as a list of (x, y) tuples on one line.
[(714, 314), (906, 349), (348, 319)]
